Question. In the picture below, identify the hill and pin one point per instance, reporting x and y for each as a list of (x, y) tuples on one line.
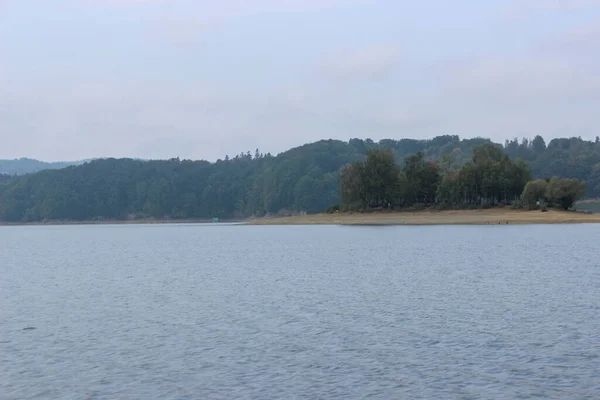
[(301, 179), (23, 166)]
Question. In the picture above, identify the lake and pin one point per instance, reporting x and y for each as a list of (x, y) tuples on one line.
[(299, 312)]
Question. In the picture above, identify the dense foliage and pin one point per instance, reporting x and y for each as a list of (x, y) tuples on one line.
[(490, 178), (305, 178), (555, 192), (565, 158)]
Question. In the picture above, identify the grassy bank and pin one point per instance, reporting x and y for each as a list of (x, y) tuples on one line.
[(457, 217)]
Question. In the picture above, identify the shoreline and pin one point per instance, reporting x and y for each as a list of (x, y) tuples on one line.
[(494, 216), (452, 217), (123, 222)]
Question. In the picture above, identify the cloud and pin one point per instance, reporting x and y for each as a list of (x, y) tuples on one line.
[(562, 65), (580, 43), (521, 79), (230, 7), (559, 5), (187, 22), (373, 62), (120, 119), (104, 89), (122, 3), (182, 31), (530, 8), (521, 95)]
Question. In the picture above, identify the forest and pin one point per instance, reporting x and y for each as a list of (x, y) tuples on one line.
[(308, 178)]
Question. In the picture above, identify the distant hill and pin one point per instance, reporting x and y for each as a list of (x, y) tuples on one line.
[(23, 166), (304, 178)]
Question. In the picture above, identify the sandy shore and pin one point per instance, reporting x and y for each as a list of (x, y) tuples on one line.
[(455, 217), (458, 217)]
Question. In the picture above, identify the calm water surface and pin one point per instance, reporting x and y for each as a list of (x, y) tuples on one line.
[(268, 312)]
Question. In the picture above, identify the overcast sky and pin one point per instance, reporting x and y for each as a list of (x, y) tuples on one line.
[(205, 78)]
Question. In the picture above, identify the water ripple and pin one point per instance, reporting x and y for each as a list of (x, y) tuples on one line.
[(239, 312)]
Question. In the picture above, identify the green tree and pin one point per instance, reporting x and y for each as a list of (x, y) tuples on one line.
[(380, 176), (423, 178), (370, 183), (538, 145), (534, 192), (563, 192), (353, 187)]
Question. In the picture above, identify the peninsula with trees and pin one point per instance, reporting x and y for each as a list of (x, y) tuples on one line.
[(441, 180)]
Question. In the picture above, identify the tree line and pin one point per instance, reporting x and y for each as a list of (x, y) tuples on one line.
[(489, 178), (306, 178)]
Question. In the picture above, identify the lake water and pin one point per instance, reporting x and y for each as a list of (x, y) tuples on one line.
[(306, 312)]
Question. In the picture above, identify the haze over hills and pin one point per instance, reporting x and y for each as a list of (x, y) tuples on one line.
[(22, 166), (305, 178)]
